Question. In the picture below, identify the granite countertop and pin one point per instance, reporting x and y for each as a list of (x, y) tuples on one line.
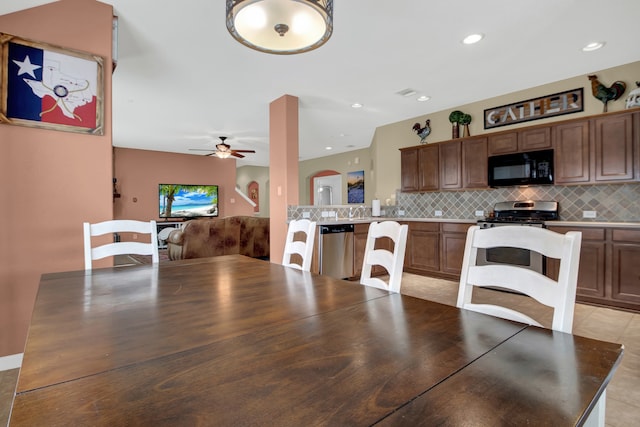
[(341, 221), (593, 224)]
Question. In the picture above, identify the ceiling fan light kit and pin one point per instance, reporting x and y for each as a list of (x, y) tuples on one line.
[(281, 27), (224, 151), (223, 154)]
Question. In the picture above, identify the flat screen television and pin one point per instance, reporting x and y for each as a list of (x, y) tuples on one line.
[(187, 201)]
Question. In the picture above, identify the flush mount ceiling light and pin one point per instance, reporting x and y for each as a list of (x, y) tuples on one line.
[(423, 98), (282, 27), (473, 38), (593, 46)]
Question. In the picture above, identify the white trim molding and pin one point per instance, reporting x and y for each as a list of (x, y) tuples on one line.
[(245, 197), (12, 361)]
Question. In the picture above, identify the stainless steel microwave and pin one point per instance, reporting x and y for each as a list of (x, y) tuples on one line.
[(530, 168)]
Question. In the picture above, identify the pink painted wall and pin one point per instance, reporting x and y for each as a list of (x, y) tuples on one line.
[(140, 171), (52, 181), (283, 169)]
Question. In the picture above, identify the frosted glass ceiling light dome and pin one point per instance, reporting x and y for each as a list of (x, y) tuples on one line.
[(282, 27)]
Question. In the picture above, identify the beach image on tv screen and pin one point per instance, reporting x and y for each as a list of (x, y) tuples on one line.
[(188, 201)]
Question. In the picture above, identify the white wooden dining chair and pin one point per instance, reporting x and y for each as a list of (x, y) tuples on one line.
[(391, 260), (147, 228), (558, 294), (303, 248)]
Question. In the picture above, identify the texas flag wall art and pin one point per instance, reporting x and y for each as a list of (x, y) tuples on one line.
[(49, 87)]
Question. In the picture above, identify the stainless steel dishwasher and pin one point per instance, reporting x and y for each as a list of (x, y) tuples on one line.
[(336, 250)]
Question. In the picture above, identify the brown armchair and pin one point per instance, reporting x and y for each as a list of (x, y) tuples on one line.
[(198, 238)]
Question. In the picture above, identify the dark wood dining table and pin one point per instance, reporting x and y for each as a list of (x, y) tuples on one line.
[(236, 341)]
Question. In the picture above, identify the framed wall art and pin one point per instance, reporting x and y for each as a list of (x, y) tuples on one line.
[(50, 87), (355, 187)]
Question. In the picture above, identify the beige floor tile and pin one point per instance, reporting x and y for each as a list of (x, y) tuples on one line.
[(8, 381), (625, 385), (620, 414), (604, 324)]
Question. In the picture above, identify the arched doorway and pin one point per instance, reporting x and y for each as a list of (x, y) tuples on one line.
[(253, 190), (326, 184)]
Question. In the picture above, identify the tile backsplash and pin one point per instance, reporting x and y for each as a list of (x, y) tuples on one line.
[(611, 203)]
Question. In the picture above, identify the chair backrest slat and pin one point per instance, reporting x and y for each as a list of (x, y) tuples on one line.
[(302, 248), (391, 260), (92, 253), (558, 294)]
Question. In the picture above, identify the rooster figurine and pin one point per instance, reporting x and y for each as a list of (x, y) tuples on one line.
[(606, 94), (423, 132)]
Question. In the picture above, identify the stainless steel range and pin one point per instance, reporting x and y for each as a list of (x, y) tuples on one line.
[(520, 212)]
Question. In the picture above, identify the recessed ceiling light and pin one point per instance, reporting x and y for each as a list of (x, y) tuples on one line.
[(423, 98), (593, 46), (356, 105), (328, 148), (473, 38)]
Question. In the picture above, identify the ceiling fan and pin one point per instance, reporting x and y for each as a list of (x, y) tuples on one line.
[(223, 150)]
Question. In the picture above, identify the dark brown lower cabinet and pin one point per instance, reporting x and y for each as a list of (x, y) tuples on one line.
[(625, 266), (454, 237), (360, 232), (609, 273), (436, 248), (423, 248), (591, 276)]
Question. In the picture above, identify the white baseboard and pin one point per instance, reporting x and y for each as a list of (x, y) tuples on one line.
[(10, 362)]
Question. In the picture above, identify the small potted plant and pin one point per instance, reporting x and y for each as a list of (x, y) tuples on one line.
[(464, 121), (455, 117)]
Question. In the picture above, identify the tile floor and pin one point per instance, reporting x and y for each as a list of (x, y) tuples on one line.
[(623, 395)]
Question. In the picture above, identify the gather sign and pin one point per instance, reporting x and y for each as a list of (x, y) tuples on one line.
[(567, 102)]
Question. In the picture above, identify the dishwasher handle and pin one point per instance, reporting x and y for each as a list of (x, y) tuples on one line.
[(337, 228)]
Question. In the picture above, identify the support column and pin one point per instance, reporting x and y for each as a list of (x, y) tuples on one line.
[(283, 169)]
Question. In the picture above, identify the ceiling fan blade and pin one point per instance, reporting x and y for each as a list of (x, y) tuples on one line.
[(244, 151), (236, 154)]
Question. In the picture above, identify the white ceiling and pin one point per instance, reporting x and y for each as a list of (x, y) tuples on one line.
[(182, 80)]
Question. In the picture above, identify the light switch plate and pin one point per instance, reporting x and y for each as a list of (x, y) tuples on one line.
[(400, 212), (479, 213), (325, 214), (588, 214), (438, 213)]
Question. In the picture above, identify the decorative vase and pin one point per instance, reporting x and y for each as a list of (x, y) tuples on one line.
[(465, 131), (455, 130)]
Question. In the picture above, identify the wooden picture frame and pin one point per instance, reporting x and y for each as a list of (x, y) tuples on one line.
[(557, 104), (50, 87)]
